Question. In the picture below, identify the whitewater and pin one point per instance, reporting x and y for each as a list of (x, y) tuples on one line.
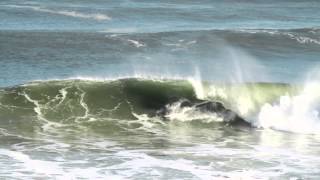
[(115, 90)]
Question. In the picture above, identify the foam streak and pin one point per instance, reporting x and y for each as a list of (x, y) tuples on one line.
[(94, 16)]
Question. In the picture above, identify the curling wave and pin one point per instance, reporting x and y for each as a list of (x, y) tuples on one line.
[(70, 102)]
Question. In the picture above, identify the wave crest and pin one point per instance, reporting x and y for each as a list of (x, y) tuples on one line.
[(94, 16)]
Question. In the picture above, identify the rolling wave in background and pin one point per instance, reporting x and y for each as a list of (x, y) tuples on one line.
[(98, 17)]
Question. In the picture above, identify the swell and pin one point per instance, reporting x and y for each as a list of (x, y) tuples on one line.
[(63, 54), (263, 39), (286, 37), (302, 36)]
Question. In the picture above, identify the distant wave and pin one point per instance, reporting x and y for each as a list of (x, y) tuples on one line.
[(95, 16), (303, 39), (300, 35), (136, 43)]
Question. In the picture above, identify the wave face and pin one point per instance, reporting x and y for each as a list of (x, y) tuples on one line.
[(73, 102), (76, 101)]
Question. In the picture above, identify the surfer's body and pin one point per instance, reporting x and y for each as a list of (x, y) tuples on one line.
[(217, 108)]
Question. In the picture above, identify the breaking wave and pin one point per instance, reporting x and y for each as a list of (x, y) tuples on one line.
[(298, 113), (133, 102)]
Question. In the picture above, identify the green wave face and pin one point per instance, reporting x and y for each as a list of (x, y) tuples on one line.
[(70, 102)]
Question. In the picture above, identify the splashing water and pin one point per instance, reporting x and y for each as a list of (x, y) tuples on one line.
[(294, 113), (197, 84), (185, 114)]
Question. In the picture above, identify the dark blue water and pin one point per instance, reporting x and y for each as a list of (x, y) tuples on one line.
[(153, 16)]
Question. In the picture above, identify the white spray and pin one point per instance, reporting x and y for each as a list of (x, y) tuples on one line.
[(294, 113)]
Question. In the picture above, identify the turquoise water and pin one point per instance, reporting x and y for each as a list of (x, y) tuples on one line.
[(80, 79)]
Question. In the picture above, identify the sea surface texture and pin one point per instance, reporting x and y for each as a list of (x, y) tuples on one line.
[(81, 82)]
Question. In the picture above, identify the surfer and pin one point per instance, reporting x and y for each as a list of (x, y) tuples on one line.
[(229, 116)]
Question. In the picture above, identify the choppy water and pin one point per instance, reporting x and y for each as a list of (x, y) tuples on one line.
[(80, 79)]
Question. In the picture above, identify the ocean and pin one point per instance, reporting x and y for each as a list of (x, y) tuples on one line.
[(81, 83)]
